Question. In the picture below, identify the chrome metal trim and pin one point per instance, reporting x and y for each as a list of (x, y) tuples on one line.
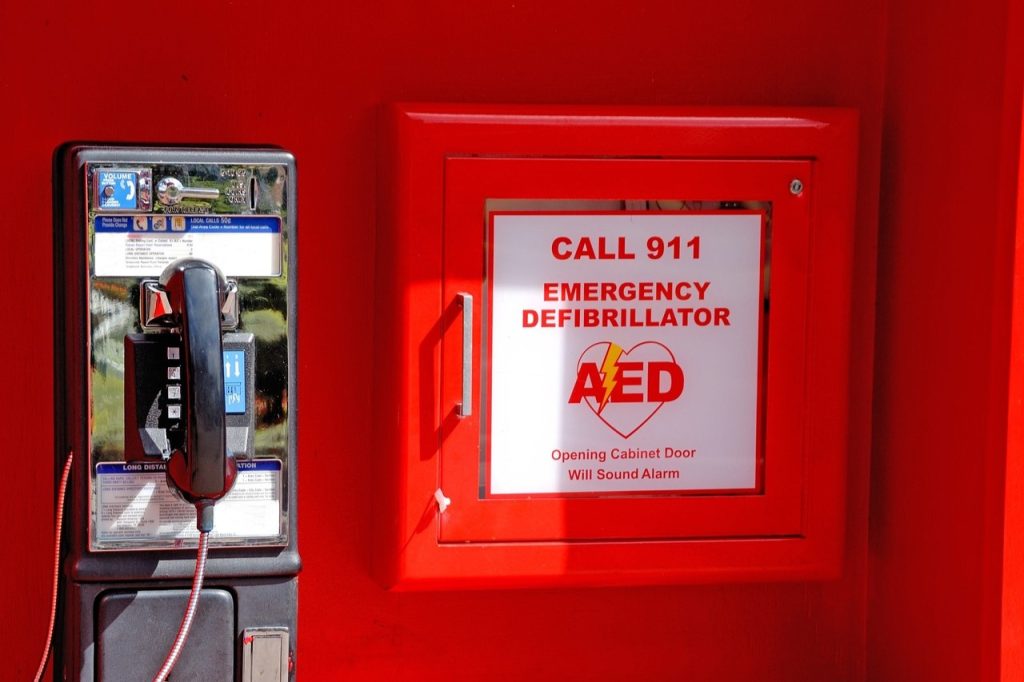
[(464, 408)]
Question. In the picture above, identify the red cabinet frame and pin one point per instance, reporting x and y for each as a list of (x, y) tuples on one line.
[(442, 164)]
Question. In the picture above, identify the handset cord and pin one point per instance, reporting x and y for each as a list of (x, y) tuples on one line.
[(56, 565), (190, 610)]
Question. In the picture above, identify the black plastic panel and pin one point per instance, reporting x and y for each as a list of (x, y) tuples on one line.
[(135, 631)]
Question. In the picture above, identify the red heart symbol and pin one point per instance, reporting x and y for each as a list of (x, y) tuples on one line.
[(625, 378)]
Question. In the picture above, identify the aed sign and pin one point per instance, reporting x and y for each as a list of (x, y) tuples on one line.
[(625, 352)]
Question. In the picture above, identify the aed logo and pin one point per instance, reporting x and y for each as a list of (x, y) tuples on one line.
[(626, 388)]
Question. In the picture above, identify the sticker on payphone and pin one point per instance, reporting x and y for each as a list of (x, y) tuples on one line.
[(122, 189), (142, 245), (135, 505), (234, 381)]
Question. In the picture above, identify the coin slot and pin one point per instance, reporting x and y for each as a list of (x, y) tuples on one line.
[(252, 193)]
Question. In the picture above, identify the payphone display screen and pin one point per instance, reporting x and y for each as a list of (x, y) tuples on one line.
[(139, 218)]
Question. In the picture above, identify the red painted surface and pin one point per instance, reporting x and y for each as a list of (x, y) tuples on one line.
[(950, 149), (794, 527), (312, 76), (1011, 207)]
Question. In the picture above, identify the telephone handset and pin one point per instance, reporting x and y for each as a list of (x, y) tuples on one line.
[(181, 412), (202, 468)]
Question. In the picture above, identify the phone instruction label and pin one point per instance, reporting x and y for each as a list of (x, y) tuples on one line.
[(118, 189), (135, 504), (234, 381), (143, 245)]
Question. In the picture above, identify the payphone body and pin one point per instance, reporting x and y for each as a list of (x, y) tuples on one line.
[(133, 412)]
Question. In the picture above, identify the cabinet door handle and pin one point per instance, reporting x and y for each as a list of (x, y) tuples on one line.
[(464, 408)]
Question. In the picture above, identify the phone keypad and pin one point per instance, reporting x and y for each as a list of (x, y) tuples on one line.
[(173, 389)]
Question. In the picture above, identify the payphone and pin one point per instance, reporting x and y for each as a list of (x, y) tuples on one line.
[(175, 386)]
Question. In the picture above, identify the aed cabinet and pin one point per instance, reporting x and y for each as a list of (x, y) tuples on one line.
[(613, 344)]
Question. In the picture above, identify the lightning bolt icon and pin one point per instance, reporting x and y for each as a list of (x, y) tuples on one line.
[(609, 372)]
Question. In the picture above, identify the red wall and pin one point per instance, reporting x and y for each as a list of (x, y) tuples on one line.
[(311, 77), (951, 147), (1012, 635)]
